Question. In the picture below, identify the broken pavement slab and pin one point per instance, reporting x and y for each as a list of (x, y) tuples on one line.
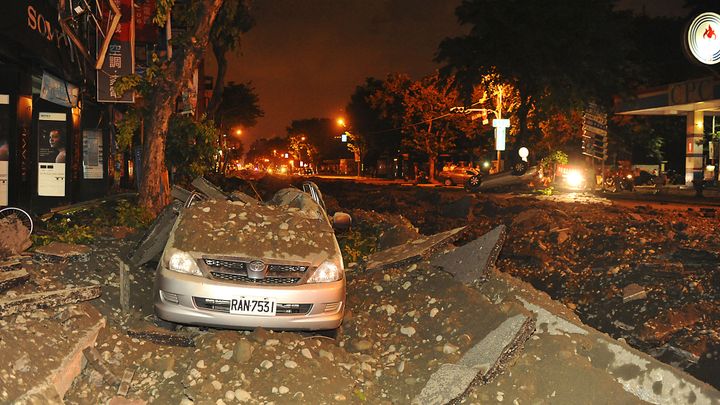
[(46, 299), (566, 362), (471, 262), (63, 250), (413, 251), (41, 355), (633, 292), (11, 279), (479, 364)]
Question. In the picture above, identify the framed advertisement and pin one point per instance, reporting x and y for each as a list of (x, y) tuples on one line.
[(92, 154), (52, 154)]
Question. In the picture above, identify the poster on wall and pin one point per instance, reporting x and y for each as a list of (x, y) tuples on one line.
[(4, 148), (52, 153), (92, 154)]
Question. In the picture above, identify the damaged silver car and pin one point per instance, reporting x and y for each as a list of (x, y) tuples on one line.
[(246, 264)]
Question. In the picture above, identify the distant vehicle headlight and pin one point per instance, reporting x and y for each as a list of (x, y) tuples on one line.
[(182, 262), (574, 178), (629, 176), (327, 272)]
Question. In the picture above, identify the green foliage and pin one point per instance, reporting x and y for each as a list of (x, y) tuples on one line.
[(162, 11), (546, 191), (131, 215), (359, 242), (191, 146), (83, 226), (554, 158), (126, 128), (65, 230)]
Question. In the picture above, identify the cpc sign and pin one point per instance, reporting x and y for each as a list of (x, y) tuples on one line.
[(703, 38)]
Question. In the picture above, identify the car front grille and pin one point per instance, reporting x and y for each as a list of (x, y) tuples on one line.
[(235, 270), (245, 279), (210, 304), (228, 264)]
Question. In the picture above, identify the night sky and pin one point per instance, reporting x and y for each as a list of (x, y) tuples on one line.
[(305, 57)]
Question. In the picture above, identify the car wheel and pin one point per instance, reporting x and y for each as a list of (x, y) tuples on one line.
[(448, 182), (473, 183), (519, 168)]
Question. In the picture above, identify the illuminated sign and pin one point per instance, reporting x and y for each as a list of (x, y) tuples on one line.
[(703, 38)]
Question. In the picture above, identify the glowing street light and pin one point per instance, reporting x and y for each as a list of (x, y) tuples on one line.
[(238, 132)]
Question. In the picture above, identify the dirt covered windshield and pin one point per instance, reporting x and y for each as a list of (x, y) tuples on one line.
[(291, 226)]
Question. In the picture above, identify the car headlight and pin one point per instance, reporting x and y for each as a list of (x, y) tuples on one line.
[(326, 272), (181, 262)]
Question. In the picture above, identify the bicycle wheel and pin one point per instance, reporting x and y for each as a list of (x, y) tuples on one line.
[(20, 214)]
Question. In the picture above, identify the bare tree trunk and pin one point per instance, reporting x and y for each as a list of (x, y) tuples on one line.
[(154, 185), (219, 85)]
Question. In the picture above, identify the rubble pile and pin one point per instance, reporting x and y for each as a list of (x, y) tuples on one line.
[(649, 276)]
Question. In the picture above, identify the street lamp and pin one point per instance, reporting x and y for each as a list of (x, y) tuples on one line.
[(354, 146), (498, 123), (238, 132)]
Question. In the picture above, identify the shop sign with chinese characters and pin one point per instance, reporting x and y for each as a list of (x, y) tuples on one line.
[(119, 60)]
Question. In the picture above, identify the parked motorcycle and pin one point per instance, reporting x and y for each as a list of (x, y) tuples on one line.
[(619, 182)]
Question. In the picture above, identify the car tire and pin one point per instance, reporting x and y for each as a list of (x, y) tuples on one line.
[(519, 168), (448, 182), (473, 184)]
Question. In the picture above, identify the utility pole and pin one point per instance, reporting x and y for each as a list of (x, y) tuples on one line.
[(498, 123)]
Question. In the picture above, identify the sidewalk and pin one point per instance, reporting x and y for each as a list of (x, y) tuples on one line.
[(668, 194)]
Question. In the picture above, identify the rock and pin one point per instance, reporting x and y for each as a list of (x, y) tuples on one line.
[(242, 352), (242, 395), (633, 292), (283, 389), (217, 385), (290, 364), (326, 355), (449, 348), (407, 331), (306, 353), (266, 364), (361, 345)]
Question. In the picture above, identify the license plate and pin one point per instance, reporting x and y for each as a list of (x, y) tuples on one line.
[(252, 306)]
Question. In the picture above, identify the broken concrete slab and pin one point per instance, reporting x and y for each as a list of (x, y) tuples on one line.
[(14, 237), (471, 262), (413, 251), (479, 364), (47, 299), (63, 250), (42, 355), (11, 279), (566, 362)]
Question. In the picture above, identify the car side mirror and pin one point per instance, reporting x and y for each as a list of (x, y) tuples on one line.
[(341, 220)]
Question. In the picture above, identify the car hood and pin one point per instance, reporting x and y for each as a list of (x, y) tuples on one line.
[(254, 230)]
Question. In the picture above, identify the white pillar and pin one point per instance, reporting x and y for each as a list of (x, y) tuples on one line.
[(694, 145)]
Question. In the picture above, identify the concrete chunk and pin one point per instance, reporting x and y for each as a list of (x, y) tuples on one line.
[(412, 252), (449, 382), (482, 362), (43, 356), (47, 299), (471, 262)]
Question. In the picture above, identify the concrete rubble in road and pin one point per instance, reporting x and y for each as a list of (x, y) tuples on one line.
[(471, 262), (413, 251), (42, 354)]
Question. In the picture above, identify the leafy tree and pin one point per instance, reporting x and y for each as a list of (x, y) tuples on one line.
[(323, 134), (263, 148), (233, 20), (378, 132), (301, 149), (422, 109), (240, 106), (553, 53), (190, 151), (161, 85)]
